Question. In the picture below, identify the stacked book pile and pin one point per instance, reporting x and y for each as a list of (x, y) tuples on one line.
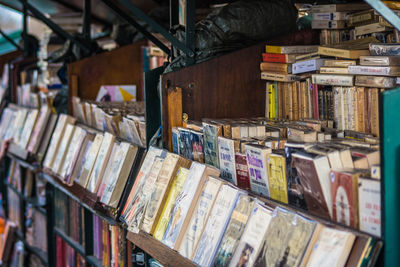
[(212, 222)]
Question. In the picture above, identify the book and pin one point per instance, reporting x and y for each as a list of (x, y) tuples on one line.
[(62, 150), (276, 67), (113, 154), (99, 167), (339, 63), (374, 70), (81, 159), (197, 223), (257, 165), (308, 65), (370, 28), (73, 152), (286, 239), (39, 129), (375, 81), (42, 149), (279, 77), (185, 203), (242, 172), (279, 58), (300, 49), (226, 149), (363, 18), (234, 231), (211, 132), (169, 203), (276, 167), (379, 49), (252, 237), (335, 80), (333, 70), (369, 199), (162, 185), (332, 248), (313, 171), (350, 49), (339, 7), (328, 24), (298, 133), (330, 16), (216, 224), (380, 60), (29, 125)]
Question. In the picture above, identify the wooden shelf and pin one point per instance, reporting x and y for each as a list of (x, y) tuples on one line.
[(158, 250)]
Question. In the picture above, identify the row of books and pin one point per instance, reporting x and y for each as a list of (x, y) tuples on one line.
[(210, 221), (67, 256), (125, 119)]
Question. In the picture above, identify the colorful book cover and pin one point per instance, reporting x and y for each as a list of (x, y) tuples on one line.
[(369, 195), (211, 133), (277, 178), (116, 93), (242, 172), (196, 139), (226, 151), (257, 164), (185, 143)]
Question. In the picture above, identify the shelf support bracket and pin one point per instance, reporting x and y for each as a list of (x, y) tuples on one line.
[(385, 12)]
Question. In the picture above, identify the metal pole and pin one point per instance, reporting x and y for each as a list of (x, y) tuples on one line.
[(386, 12), (11, 41), (25, 26), (189, 28), (87, 12)]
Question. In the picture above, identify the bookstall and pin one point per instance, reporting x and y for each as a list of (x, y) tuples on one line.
[(280, 153)]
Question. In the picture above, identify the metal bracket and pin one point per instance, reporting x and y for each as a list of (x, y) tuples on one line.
[(386, 12), (11, 41), (87, 19), (57, 29), (189, 29)]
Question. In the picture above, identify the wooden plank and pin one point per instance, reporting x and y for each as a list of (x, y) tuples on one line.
[(174, 110), (158, 250), (121, 66)]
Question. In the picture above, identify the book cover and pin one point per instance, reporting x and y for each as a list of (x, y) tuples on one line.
[(199, 218), (276, 167), (226, 149), (175, 140), (28, 128), (185, 143), (242, 171), (197, 142), (257, 164), (234, 231), (107, 176), (369, 197), (252, 237), (375, 70), (334, 80), (216, 225), (279, 58), (211, 134), (176, 188), (62, 150), (276, 67), (375, 81), (299, 49), (90, 160), (73, 152)]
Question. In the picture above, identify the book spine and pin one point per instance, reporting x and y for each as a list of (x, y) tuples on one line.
[(267, 100), (290, 98), (280, 98), (276, 67), (296, 100), (276, 100), (360, 109), (272, 101), (330, 16), (276, 58), (321, 104), (375, 81), (242, 172), (370, 70), (338, 80)]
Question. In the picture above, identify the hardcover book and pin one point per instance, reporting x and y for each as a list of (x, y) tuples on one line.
[(334, 80), (39, 129), (380, 60), (217, 222), (257, 164), (375, 70), (279, 58)]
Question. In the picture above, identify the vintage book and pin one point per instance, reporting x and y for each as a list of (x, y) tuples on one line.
[(119, 174), (340, 7), (90, 160), (332, 248), (350, 49), (216, 224), (298, 133), (333, 70), (335, 80), (200, 216), (102, 184), (80, 161), (276, 67), (73, 152), (313, 171), (374, 70), (51, 124), (371, 28), (62, 150), (99, 167), (363, 18), (286, 239), (339, 63), (162, 186), (175, 141), (7, 240), (56, 139), (380, 60), (176, 188), (307, 65), (278, 77), (330, 16), (242, 172), (234, 231), (28, 128), (299, 49), (344, 186), (279, 58), (39, 130), (257, 164), (328, 24), (252, 237), (333, 155), (380, 49), (211, 132), (369, 198), (226, 148), (276, 166), (375, 81), (185, 204), (197, 142), (185, 143)]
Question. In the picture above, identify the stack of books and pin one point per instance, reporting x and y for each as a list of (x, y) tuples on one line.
[(212, 222)]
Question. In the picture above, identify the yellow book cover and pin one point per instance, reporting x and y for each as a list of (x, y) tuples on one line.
[(277, 178), (272, 113), (273, 49), (176, 188)]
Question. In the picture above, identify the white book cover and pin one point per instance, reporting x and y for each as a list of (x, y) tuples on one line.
[(330, 16), (369, 195), (252, 237), (65, 141), (199, 217), (216, 225), (28, 128), (330, 79), (373, 70), (226, 151), (183, 203), (257, 164), (307, 65), (19, 124), (73, 150), (90, 160), (58, 132)]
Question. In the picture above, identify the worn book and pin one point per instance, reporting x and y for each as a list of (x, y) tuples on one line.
[(339, 63), (299, 49), (28, 128), (332, 248), (242, 172), (363, 18), (279, 58), (211, 132), (330, 16), (234, 231), (375, 70), (72, 153), (257, 164), (39, 129), (62, 150), (308, 65), (371, 28), (328, 24), (313, 171), (375, 81), (340, 7), (276, 67), (200, 216), (278, 77), (333, 154), (276, 166), (333, 70), (162, 185), (56, 139), (380, 60), (298, 133), (369, 199), (185, 203), (226, 148), (350, 49), (286, 239), (380, 49), (80, 161), (176, 188), (46, 138), (216, 224), (334, 80), (252, 237), (113, 154)]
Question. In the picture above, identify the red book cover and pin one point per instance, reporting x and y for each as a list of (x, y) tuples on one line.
[(345, 197), (60, 251), (277, 58), (242, 172)]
